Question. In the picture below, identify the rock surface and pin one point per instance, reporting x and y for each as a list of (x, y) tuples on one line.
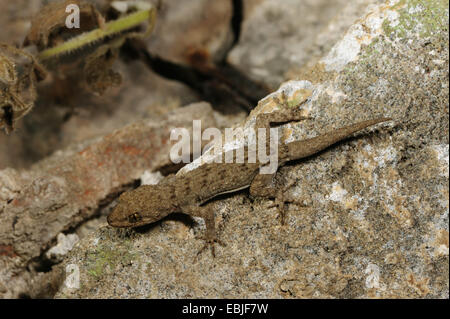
[(371, 213), (277, 39), (188, 29), (59, 193)]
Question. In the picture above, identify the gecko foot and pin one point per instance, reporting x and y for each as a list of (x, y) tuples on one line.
[(211, 243), (280, 202)]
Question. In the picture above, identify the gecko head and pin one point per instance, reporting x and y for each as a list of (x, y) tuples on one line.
[(145, 205)]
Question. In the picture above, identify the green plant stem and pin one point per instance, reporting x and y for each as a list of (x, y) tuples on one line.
[(130, 21)]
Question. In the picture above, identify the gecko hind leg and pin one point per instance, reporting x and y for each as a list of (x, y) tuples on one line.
[(262, 186), (281, 116), (280, 202), (277, 118)]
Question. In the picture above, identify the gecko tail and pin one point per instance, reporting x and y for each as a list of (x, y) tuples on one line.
[(308, 147)]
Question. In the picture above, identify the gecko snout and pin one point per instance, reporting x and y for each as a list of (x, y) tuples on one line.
[(121, 218)]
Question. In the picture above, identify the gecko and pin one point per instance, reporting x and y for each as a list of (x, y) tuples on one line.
[(191, 192)]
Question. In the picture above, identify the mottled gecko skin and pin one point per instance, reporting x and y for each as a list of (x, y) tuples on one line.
[(186, 193), (150, 203)]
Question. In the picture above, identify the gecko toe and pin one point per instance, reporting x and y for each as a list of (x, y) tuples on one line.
[(211, 243)]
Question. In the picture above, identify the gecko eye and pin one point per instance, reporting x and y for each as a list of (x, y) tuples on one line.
[(134, 218)]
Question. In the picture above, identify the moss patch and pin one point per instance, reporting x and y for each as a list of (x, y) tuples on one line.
[(108, 257), (422, 16)]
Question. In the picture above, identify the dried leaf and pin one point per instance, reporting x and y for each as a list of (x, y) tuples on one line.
[(97, 48), (19, 72), (48, 27), (97, 71)]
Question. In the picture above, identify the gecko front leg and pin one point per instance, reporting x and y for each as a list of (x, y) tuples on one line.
[(207, 213)]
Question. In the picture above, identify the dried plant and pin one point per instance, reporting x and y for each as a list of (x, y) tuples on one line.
[(136, 13), (19, 72), (101, 43), (48, 26)]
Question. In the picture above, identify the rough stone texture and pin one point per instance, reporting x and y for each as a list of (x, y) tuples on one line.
[(371, 218), (67, 188), (43, 196), (187, 30), (65, 244), (278, 38)]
